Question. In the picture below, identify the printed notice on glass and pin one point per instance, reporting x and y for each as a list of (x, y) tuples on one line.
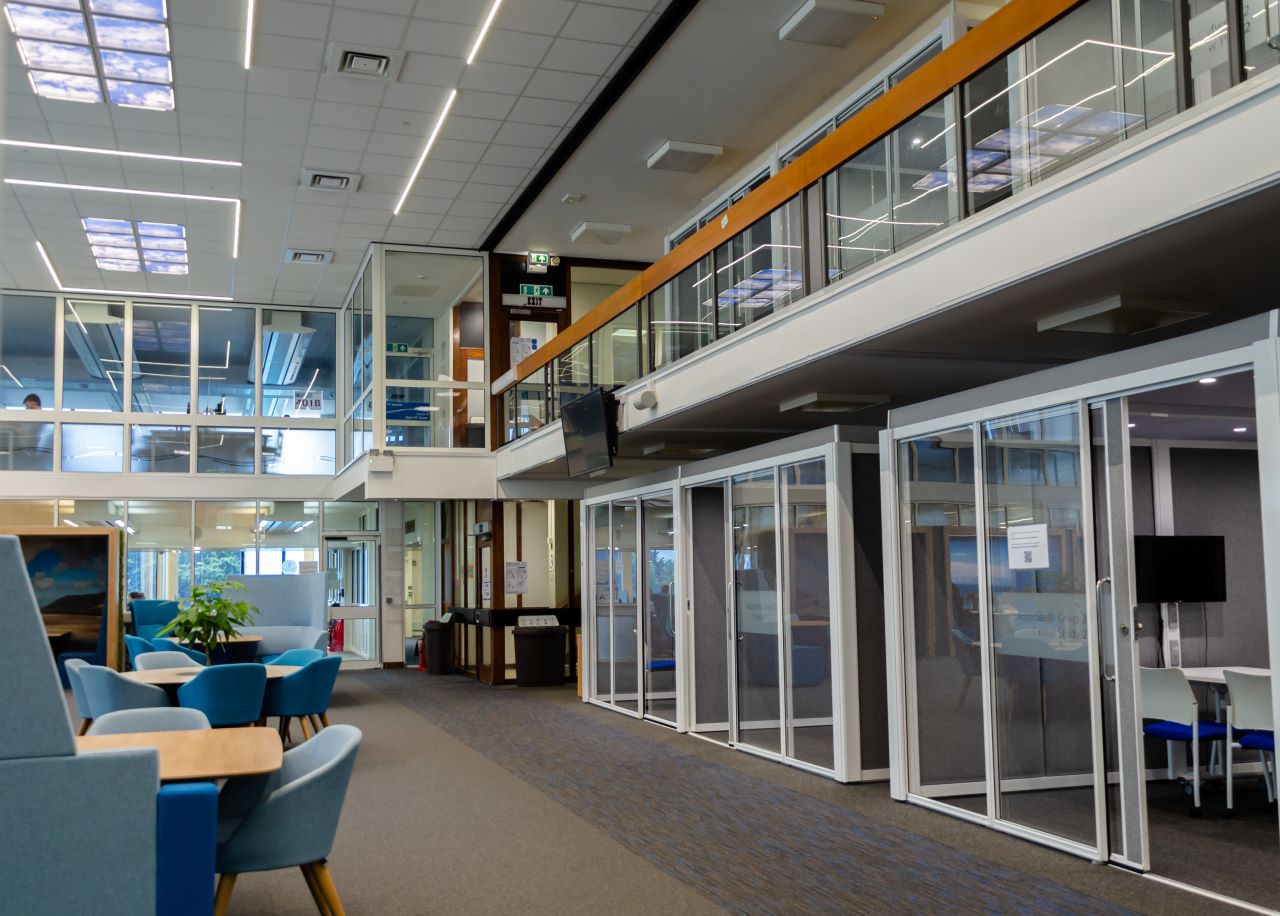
[(517, 578), (1028, 546)]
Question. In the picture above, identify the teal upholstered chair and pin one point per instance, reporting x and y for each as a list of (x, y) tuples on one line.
[(227, 694), (165, 644), (151, 615), (107, 690), (72, 666), (135, 646), (297, 657), (168, 719), (303, 695), (288, 819), (163, 658)]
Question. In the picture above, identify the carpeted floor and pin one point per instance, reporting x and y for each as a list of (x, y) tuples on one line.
[(470, 799)]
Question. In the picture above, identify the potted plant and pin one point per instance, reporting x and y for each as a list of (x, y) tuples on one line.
[(210, 616)]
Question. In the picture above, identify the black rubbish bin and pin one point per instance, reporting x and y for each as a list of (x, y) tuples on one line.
[(438, 647), (539, 656)]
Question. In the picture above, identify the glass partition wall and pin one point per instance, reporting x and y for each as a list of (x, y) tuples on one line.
[(1021, 637), (748, 628)]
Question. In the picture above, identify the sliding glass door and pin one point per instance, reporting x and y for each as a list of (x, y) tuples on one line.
[(758, 654), (660, 619)]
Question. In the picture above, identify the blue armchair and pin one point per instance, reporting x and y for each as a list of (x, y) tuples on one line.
[(227, 694), (165, 644), (296, 657), (131, 846), (165, 658), (151, 615), (129, 721), (303, 695), (97, 657), (107, 690), (135, 646), (288, 818), (73, 666)]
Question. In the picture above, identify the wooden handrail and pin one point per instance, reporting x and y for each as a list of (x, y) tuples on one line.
[(1004, 30)]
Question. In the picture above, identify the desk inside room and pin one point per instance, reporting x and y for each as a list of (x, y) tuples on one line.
[(204, 754)]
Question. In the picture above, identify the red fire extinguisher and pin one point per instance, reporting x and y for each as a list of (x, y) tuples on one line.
[(336, 641)]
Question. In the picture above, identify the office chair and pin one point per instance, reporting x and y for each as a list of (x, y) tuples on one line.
[(1250, 723), (1167, 698)]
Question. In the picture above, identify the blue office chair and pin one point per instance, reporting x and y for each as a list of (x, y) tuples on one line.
[(164, 658), (227, 694), (1251, 724), (128, 721), (107, 691), (165, 644), (288, 818), (151, 615), (1167, 698), (303, 695), (135, 646), (297, 657), (77, 692), (97, 657)]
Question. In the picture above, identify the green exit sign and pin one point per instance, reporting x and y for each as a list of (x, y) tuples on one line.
[(532, 289), (397, 348), (539, 257)]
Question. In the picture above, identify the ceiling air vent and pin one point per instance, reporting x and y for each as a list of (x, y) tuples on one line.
[(363, 63), (330, 181), (682, 156), (604, 233), (305, 256), (830, 22)]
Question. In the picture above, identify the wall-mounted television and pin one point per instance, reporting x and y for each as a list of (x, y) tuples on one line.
[(1180, 568), (590, 428)]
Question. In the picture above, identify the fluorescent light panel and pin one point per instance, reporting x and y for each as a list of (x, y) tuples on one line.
[(235, 229), (115, 245), (124, 154), (57, 281), (484, 30), (248, 35), (426, 150), (127, 63)]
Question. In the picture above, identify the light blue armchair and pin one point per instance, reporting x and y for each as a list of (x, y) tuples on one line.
[(288, 818), (107, 690), (85, 833), (72, 667)]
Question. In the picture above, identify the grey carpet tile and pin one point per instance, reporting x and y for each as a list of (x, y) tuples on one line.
[(749, 845)]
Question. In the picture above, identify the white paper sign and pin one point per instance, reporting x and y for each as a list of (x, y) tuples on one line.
[(517, 578), (522, 348), (1028, 546), (486, 591)]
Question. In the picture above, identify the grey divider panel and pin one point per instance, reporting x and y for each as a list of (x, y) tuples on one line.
[(873, 700), (286, 601), (1216, 492), (710, 633)]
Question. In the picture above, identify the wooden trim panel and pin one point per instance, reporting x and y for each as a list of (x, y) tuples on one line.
[(1005, 30)]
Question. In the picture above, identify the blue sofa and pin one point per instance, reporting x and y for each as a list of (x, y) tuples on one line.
[(85, 833)]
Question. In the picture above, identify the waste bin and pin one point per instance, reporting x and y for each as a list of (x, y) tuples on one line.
[(437, 647), (539, 656)]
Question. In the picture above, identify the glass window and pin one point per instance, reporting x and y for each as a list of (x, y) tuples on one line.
[(682, 317), (531, 402), (1208, 34), (859, 226), (571, 375), (289, 537), (27, 328), (429, 299), (923, 181), (660, 617), (350, 516), (355, 340), (159, 562), (299, 451), (615, 351), (28, 513), (92, 448), (80, 513), (915, 63), (423, 417), (160, 448), (26, 446), (226, 539), (224, 450), (162, 358), (625, 602), (420, 551), (93, 356), (298, 363), (760, 270), (1261, 35), (226, 361), (1146, 59), (755, 577)]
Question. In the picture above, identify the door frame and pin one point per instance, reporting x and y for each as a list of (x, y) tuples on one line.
[(376, 539)]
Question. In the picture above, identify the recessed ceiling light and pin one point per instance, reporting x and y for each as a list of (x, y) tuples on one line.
[(426, 150), (157, 248), (1240, 429), (1207, 381), (484, 30), (125, 154)]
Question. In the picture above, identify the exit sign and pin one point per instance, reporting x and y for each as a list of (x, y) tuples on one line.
[(539, 257), (397, 348), (532, 289)]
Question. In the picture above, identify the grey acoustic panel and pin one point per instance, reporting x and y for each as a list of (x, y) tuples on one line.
[(710, 620), (873, 699)]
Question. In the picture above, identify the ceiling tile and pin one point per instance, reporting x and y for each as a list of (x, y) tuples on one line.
[(519, 48), (342, 114), (363, 27), (289, 17), (602, 23), (581, 56), (542, 17), (283, 81), (533, 135), (443, 38), (498, 174), (338, 138), (484, 104), (542, 111), (275, 51), (568, 87), (519, 156), (433, 70), (498, 194)]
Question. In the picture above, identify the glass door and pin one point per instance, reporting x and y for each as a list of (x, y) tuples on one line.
[(625, 602), (757, 630), (660, 611), (352, 577), (709, 593), (601, 686)]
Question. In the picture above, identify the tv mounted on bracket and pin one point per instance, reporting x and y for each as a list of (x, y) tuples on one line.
[(590, 428), (1174, 569)]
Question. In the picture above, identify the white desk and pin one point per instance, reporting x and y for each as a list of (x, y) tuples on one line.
[(1215, 675)]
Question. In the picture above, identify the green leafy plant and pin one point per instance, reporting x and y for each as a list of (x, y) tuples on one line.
[(210, 616)]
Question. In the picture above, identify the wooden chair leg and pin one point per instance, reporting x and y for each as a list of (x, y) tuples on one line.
[(222, 898), (286, 729), (321, 871), (306, 729), (315, 723), (313, 885), (324, 719), (84, 726)]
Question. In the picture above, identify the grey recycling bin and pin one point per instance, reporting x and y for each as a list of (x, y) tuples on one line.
[(539, 656), (437, 647)]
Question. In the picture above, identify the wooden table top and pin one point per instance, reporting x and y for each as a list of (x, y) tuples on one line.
[(162, 676), (245, 638), (215, 753)]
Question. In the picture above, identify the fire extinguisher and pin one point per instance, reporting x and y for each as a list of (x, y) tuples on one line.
[(336, 641)]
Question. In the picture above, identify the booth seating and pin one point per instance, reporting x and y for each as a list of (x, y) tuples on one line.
[(99, 834), (165, 659), (291, 613)]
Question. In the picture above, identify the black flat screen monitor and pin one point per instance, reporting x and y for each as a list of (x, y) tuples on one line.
[(590, 429), (1180, 568)]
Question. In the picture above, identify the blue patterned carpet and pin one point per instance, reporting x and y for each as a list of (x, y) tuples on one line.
[(749, 845)]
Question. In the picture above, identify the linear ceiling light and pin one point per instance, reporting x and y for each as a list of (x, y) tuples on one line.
[(57, 281), (235, 229), (444, 113), (248, 35), (98, 151), (484, 30)]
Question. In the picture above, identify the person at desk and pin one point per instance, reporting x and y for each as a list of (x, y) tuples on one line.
[(32, 402)]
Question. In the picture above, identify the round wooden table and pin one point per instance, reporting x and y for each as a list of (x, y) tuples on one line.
[(168, 677)]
